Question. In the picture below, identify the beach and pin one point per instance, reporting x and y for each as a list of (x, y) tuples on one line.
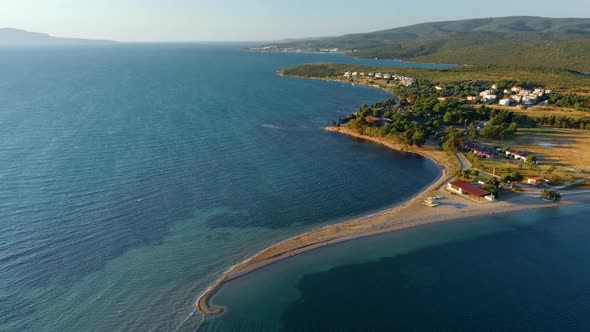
[(411, 213)]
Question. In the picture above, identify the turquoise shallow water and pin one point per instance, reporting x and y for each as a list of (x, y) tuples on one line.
[(133, 175), (525, 271)]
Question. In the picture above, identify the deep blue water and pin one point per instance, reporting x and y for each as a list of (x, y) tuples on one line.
[(133, 175), (524, 271)]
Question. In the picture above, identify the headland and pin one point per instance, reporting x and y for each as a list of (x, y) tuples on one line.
[(411, 213)]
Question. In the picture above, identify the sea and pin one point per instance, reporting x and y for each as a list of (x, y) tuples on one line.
[(133, 175)]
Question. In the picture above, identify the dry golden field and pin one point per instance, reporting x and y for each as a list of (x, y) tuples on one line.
[(566, 149)]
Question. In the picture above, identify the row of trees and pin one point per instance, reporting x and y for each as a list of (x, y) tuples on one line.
[(564, 121), (570, 100)]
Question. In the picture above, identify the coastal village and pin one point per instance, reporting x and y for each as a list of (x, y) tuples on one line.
[(475, 184), (516, 95), (492, 94), (407, 81), (493, 158)]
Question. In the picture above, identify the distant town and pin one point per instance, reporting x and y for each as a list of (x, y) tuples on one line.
[(509, 96)]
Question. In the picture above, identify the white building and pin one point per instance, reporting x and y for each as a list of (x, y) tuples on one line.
[(505, 102)]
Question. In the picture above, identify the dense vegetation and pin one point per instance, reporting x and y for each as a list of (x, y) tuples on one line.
[(581, 103), (420, 115), (562, 121), (508, 41)]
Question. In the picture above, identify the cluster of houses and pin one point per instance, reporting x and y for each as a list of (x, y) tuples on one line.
[(515, 95), (519, 95), (407, 81), (487, 152), (510, 154), (483, 151)]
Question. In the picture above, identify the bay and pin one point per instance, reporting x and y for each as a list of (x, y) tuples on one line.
[(133, 175)]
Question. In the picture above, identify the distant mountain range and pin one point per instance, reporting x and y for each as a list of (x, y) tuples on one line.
[(518, 40), (10, 36)]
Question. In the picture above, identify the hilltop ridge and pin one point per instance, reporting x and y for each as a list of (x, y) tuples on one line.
[(516, 40)]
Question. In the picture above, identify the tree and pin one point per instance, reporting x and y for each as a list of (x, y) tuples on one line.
[(516, 177), (551, 169), (473, 134), (492, 182), (419, 137), (550, 195), (494, 190), (506, 178), (452, 142), (531, 159), (358, 124)]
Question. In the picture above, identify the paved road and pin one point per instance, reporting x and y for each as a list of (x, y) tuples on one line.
[(465, 164)]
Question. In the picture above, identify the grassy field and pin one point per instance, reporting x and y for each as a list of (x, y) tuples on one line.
[(566, 149), (538, 112)]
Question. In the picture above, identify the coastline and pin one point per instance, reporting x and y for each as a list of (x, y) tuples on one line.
[(339, 80), (408, 214)]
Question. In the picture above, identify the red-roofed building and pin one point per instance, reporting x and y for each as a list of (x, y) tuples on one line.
[(464, 188), (377, 121)]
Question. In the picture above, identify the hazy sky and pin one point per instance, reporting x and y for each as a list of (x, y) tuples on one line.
[(209, 20)]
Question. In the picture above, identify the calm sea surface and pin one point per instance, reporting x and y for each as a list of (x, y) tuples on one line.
[(526, 271), (131, 176)]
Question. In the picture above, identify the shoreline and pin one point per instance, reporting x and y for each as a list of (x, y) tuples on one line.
[(407, 214), (338, 80)]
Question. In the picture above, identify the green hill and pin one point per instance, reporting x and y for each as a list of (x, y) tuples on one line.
[(564, 42)]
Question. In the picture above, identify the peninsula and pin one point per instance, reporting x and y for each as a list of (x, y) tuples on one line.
[(411, 213), (511, 126), (405, 126)]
